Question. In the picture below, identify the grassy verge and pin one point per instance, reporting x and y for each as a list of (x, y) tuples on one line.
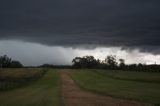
[(13, 78), (153, 77), (43, 92), (137, 90)]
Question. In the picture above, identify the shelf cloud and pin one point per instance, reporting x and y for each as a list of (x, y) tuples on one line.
[(87, 24)]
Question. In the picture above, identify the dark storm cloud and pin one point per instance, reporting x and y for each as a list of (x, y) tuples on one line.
[(127, 23)]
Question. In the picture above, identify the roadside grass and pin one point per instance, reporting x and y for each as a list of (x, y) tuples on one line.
[(153, 77), (13, 78), (43, 92), (127, 89)]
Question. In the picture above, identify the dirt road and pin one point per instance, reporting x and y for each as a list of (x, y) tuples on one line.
[(74, 96)]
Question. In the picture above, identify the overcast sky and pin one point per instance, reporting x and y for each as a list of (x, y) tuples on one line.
[(55, 31)]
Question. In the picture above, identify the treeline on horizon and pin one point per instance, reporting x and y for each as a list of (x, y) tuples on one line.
[(87, 62), (7, 62), (110, 63)]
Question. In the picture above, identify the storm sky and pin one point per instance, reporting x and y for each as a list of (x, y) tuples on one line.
[(55, 31)]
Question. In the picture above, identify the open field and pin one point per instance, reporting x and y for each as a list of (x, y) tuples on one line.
[(152, 77), (12, 78), (128, 85), (43, 92), (58, 87), (75, 96)]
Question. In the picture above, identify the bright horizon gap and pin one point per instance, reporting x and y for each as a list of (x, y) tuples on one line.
[(34, 54)]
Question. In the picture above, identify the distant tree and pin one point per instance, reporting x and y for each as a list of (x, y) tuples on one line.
[(77, 62), (122, 63), (85, 62), (140, 65), (16, 64), (132, 66), (90, 62), (111, 61), (47, 66), (5, 61)]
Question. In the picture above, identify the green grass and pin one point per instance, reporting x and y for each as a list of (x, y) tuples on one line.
[(137, 90), (153, 77), (43, 92), (13, 78)]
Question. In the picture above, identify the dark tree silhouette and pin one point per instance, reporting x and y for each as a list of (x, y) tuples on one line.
[(16, 64), (77, 62), (85, 62), (111, 61), (122, 63), (6, 62)]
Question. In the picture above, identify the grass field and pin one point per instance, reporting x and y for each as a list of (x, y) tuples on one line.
[(141, 86), (152, 77), (43, 92), (47, 91), (12, 78)]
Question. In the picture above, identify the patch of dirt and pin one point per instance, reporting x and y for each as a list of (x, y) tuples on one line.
[(74, 96)]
